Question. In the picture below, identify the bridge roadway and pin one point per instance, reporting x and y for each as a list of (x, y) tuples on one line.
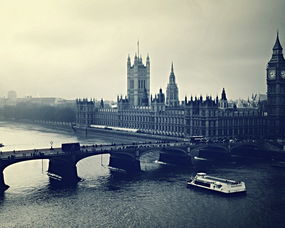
[(84, 149)]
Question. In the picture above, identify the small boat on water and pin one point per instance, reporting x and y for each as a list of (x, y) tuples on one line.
[(200, 159), (202, 180), (54, 176)]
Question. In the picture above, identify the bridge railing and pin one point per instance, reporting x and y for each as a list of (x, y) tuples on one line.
[(31, 154), (53, 152)]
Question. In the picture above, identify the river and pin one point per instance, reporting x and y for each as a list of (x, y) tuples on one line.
[(157, 197)]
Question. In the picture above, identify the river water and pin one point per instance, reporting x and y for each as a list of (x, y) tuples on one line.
[(157, 197)]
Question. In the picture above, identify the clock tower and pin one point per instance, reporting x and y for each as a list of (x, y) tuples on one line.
[(276, 93)]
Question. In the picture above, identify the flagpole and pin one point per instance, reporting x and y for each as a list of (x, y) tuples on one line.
[(138, 48)]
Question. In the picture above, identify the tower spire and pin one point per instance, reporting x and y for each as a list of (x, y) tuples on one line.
[(277, 45), (172, 89), (277, 55), (172, 75), (224, 96), (138, 43)]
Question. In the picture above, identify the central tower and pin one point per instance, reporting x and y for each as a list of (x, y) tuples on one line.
[(138, 81)]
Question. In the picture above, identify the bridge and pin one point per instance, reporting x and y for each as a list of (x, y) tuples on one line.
[(63, 160)]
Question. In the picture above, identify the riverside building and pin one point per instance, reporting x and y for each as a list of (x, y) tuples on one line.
[(213, 118)]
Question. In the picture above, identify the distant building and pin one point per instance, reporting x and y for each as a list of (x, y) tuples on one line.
[(2, 101), (47, 101), (11, 98), (12, 95)]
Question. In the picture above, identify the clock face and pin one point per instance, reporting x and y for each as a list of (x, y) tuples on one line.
[(282, 74), (271, 74)]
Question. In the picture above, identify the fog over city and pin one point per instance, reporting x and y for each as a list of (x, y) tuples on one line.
[(79, 48)]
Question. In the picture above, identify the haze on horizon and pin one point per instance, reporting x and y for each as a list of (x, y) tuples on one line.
[(79, 48)]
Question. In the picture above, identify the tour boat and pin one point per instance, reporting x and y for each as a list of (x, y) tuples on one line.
[(202, 180)]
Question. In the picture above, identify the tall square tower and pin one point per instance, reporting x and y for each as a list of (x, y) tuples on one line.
[(138, 81), (276, 92)]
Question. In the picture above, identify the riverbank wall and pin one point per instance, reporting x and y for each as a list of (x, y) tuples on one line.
[(89, 131)]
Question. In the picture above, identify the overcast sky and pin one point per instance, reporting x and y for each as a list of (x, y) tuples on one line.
[(79, 48)]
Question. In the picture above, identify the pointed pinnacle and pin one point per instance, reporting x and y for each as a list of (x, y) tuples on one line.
[(277, 45)]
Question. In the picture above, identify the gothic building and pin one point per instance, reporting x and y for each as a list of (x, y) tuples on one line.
[(198, 116), (172, 90), (194, 117)]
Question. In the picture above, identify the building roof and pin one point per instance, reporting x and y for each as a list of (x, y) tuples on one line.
[(277, 45)]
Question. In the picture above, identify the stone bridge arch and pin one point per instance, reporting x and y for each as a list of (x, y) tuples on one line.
[(210, 150), (249, 149), (176, 155), (244, 145), (130, 160), (10, 162)]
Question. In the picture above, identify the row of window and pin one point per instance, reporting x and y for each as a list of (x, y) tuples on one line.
[(141, 84), (237, 132), (222, 113), (173, 120)]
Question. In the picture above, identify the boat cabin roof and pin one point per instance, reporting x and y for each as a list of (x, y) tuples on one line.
[(203, 176), (221, 180)]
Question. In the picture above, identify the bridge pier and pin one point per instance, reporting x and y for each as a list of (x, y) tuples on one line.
[(3, 186), (175, 156), (65, 168), (125, 162)]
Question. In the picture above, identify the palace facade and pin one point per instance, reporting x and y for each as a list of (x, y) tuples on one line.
[(213, 118)]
